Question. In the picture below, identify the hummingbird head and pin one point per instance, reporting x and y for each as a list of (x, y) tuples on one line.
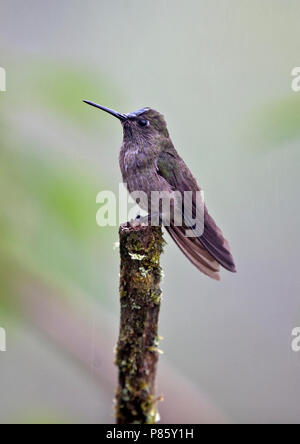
[(141, 125)]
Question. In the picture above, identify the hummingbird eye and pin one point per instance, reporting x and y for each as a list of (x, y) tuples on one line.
[(143, 122)]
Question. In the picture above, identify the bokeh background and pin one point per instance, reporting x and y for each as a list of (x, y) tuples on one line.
[(221, 74)]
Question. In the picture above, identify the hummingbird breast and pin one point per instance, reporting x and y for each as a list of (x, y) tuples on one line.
[(140, 172)]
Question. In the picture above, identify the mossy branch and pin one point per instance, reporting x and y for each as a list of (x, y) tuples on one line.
[(137, 349)]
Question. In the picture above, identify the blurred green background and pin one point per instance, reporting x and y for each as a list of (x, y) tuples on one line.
[(221, 74)]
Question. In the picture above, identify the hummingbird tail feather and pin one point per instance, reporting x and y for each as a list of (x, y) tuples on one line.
[(194, 251), (214, 242)]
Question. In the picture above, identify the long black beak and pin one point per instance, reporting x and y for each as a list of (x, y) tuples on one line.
[(119, 116)]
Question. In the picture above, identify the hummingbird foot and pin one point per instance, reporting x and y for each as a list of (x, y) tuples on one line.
[(153, 219), (139, 221)]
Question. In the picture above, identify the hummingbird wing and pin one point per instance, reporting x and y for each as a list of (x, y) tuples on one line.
[(210, 249)]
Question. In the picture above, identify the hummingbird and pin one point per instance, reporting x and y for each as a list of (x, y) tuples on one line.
[(149, 162)]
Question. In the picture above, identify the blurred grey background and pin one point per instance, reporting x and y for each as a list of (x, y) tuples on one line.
[(221, 74)]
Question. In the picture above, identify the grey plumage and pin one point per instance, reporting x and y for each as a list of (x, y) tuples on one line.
[(149, 162)]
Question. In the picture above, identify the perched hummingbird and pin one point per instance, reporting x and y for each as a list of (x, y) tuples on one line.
[(149, 162)]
